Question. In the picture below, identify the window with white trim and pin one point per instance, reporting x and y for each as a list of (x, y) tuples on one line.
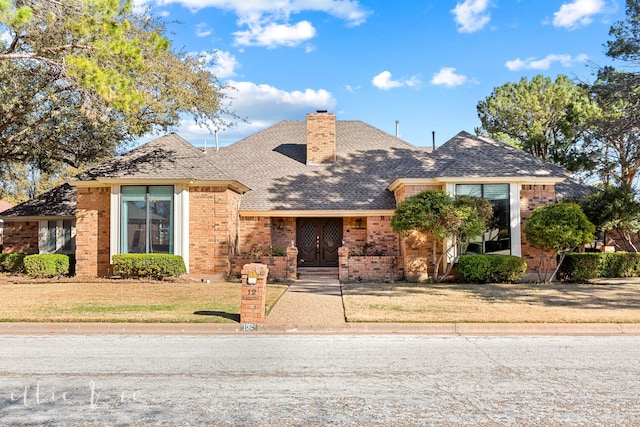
[(497, 238), (146, 219)]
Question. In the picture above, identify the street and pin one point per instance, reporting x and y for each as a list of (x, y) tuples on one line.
[(277, 380)]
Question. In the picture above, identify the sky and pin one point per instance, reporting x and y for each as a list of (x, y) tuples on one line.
[(422, 64)]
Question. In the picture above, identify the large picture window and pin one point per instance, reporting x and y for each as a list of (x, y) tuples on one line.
[(147, 219), (497, 239)]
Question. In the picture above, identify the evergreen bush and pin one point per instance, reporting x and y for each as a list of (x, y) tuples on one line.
[(491, 268), (46, 265), (148, 265), (12, 263)]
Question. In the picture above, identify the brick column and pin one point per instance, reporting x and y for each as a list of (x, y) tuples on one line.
[(343, 263), (254, 289), (292, 263)]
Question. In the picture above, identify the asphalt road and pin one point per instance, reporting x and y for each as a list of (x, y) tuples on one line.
[(278, 380)]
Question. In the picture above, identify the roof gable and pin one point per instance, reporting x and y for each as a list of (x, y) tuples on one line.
[(169, 157), (57, 202), (468, 156)]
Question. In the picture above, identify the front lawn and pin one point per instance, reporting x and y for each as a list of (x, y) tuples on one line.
[(104, 300), (610, 301)]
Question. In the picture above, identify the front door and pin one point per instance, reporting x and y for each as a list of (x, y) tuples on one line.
[(318, 240)]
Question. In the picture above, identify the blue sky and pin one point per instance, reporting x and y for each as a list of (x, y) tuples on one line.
[(423, 63)]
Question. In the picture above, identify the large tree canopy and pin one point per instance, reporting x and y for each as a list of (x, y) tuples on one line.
[(540, 116), (614, 133), (81, 77)]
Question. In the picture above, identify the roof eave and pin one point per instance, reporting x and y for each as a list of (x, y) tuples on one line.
[(316, 213), (192, 182)]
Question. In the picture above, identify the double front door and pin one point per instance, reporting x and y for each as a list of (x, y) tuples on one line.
[(318, 240)]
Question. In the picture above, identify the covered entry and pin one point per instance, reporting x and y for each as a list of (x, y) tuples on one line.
[(318, 240)]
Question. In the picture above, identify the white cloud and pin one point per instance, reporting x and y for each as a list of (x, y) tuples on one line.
[(203, 30), (471, 15), (577, 13), (225, 65), (447, 77), (545, 63), (384, 81), (267, 22), (273, 35), (265, 103)]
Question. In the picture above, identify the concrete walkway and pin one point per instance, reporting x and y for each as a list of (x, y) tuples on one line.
[(312, 301)]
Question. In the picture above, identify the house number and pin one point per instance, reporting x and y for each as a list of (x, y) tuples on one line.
[(252, 292)]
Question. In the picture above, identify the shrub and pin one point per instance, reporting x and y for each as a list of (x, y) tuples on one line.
[(12, 263), (46, 265), (491, 268), (148, 265), (474, 268), (580, 267)]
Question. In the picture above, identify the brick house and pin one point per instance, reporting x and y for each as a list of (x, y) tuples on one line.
[(316, 193)]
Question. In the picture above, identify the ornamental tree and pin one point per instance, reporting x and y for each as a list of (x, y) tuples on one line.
[(433, 217), (557, 229), (80, 78)]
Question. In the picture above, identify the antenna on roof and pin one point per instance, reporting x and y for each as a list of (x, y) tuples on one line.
[(216, 133), (433, 139), (205, 145), (397, 127)]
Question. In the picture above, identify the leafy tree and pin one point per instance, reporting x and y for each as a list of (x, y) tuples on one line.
[(82, 77), (626, 35), (615, 134), (432, 217), (614, 208), (542, 117), (557, 229)]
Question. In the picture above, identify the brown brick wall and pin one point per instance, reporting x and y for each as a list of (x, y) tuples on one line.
[(255, 235), (92, 231), (321, 138), (411, 190), (283, 232), (212, 229), (20, 237), (531, 197)]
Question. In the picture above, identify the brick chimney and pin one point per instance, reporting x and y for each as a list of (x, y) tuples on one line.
[(321, 138)]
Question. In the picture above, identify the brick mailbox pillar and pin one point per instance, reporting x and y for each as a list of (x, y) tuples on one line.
[(254, 289)]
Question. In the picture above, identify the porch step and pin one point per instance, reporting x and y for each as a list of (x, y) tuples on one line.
[(318, 272)]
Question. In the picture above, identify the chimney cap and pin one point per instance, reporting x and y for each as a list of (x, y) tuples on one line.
[(321, 111)]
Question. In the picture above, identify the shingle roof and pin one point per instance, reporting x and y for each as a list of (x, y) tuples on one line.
[(468, 156), (168, 157), (272, 164), (58, 202)]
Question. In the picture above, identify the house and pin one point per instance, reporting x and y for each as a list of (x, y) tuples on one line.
[(319, 192), (3, 207)]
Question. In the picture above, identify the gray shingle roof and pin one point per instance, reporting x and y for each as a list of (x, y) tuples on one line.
[(272, 164), (468, 156), (168, 157), (58, 202)]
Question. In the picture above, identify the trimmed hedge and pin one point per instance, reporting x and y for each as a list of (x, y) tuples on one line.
[(12, 263), (46, 265), (148, 265), (580, 267), (491, 268)]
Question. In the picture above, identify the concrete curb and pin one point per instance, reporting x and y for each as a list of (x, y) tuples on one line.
[(433, 329)]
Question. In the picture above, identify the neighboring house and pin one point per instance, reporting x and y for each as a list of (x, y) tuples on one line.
[(45, 224), (322, 191), (3, 207)]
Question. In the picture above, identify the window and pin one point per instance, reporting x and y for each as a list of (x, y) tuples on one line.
[(57, 237), (147, 219), (497, 239)]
